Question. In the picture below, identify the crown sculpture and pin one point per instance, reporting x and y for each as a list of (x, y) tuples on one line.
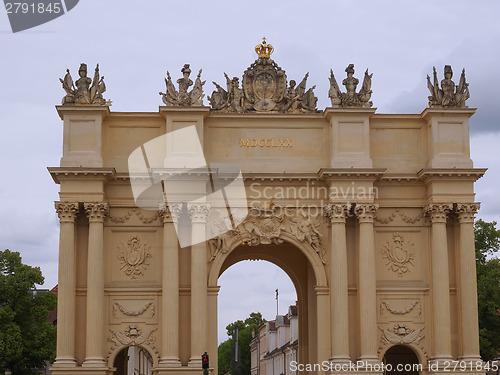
[(448, 95), (183, 97), (264, 88), (87, 91), (351, 98)]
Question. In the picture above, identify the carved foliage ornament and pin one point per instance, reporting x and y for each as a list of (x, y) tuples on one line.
[(66, 211), (183, 97), (84, 91), (133, 257), (264, 89), (449, 95), (399, 254), (351, 98)]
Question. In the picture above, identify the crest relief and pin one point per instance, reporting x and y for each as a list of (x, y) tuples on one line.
[(264, 89)]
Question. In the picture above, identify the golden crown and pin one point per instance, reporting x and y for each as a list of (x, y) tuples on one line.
[(264, 50)]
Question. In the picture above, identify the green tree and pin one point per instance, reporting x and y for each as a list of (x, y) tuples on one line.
[(245, 329), (27, 338), (487, 239)]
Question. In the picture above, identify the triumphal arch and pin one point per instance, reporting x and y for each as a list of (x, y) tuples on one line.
[(371, 215)]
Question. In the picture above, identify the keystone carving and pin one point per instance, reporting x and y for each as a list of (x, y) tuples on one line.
[(132, 336), (86, 91), (449, 95), (351, 98), (401, 334), (183, 97), (268, 225)]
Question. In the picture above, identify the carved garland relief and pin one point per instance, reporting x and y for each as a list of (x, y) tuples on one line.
[(133, 256), (119, 307), (414, 304)]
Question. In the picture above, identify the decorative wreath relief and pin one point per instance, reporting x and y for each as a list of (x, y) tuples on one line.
[(399, 254), (133, 257)]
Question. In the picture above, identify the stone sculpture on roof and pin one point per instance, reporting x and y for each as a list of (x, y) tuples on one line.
[(84, 91), (183, 97), (448, 95), (264, 88), (351, 98)]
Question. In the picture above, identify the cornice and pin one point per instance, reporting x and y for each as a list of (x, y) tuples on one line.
[(63, 110), (78, 173), (470, 174), (428, 112), (370, 174)]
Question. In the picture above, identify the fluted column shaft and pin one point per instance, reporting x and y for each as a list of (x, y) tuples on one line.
[(94, 353), (468, 283), (440, 281), (339, 330), (367, 283), (199, 214), (170, 288), (66, 285)]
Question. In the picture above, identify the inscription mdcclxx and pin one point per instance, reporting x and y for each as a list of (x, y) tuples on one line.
[(266, 142)]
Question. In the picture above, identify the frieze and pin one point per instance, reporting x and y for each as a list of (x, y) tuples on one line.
[(407, 219), (137, 212)]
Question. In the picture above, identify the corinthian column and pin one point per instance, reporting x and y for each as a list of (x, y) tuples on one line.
[(367, 284), (468, 283), (440, 281), (66, 285), (170, 288), (199, 214), (94, 352), (339, 329)]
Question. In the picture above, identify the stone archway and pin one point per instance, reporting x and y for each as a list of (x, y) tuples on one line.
[(298, 259), (132, 360)]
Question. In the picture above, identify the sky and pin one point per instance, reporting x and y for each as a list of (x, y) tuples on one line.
[(136, 42)]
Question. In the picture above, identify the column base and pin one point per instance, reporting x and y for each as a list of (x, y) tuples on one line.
[(79, 371), (94, 362), (195, 362), (170, 362), (65, 362), (462, 366)]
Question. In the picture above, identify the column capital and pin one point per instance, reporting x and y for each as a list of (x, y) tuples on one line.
[(438, 212), (198, 212), (170, 213), (66, 211), (365, 212), (96, 212), (466, 212), (337, 213)]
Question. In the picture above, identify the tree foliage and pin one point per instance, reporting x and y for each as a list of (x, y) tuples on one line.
[(487, 239), (27, 338), (245, 329)]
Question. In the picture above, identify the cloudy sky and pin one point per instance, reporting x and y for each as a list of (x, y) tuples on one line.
[(135, 42)]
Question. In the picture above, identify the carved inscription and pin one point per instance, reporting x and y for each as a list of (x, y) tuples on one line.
[(266, 142)]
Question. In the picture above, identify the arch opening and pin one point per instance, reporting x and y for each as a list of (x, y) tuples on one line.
[(295, 263), (133, 360), (402, 360)]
